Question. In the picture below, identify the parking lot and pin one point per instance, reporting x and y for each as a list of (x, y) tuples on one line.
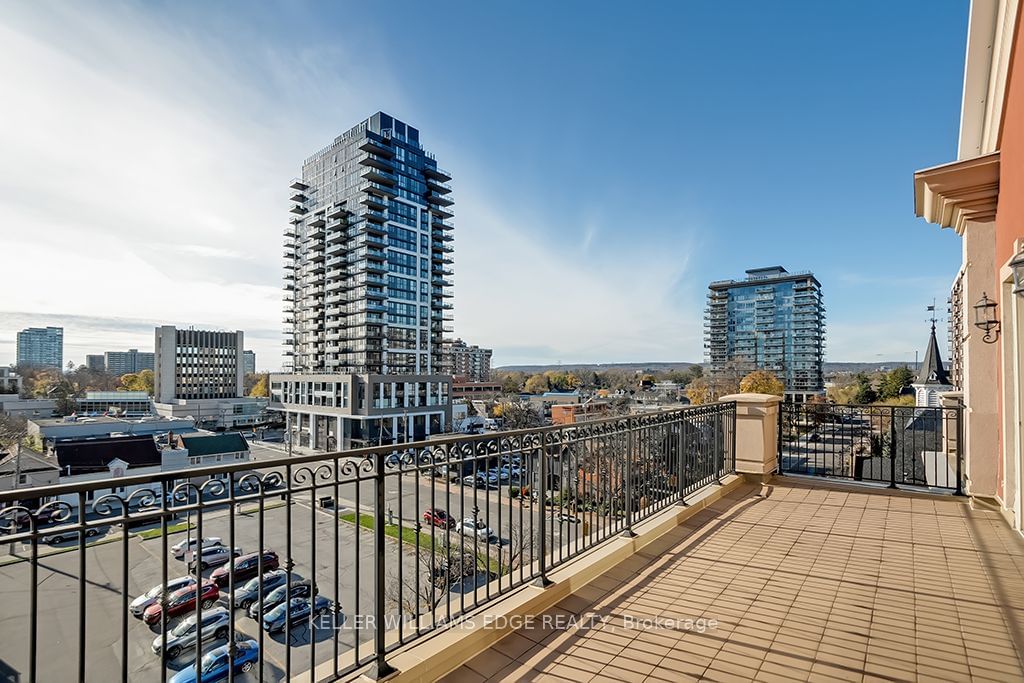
[(58, 581), (338, 554)]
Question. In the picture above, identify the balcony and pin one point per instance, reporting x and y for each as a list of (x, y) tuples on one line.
[(646, 547)]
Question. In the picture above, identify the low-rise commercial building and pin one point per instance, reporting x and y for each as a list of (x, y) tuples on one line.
[(122, 403), (15, 406), (475, 390), (336, 412), (567, 414), (50, 430), (10, 381)]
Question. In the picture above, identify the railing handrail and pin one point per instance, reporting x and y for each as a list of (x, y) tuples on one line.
[(363, 452)]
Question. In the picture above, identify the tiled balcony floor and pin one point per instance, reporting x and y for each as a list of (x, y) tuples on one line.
[(807, 583)]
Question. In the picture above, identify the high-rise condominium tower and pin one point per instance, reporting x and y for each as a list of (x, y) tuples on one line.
[(773, 320), (367, 277), (41, 346)]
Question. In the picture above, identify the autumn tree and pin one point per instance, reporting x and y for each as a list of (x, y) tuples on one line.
[(699, 392), (138, 381), (261, 389), (536, 384), (762, 382)]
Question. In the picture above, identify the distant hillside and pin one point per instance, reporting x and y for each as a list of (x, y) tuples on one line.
[(865, 367), (598, 367), (830, 368)]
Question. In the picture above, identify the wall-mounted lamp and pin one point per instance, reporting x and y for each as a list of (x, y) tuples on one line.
[(985, 318), (1017, 266)]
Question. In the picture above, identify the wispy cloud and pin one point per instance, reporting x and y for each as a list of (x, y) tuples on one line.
[(137, 180)]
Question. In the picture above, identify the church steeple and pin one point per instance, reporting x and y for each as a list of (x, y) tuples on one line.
[(932, 371)]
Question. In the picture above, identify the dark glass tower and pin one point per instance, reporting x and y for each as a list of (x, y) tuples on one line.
[(368, 255), (773, 320)]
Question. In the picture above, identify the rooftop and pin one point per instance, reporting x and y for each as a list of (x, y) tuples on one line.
[(803, 582)]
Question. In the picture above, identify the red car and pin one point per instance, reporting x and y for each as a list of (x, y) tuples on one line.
[(246, 567), (183, 601), (438, 517)]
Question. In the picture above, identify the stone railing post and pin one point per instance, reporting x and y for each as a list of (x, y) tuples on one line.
[(757, 434)]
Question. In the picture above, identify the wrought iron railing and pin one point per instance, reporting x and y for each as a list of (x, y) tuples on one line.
[(372, 548), (893, 445)]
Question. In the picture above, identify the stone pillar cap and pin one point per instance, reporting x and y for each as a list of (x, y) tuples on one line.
[(752, 398)]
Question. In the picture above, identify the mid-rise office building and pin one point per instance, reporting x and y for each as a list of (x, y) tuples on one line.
[(771, 320), (197, 364), (249, 362), (41, 347), (367, 288), (132, 360), (470, 362), (199, 375), (95, 362)]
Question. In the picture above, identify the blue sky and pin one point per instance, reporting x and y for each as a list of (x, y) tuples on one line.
[(609, 160)]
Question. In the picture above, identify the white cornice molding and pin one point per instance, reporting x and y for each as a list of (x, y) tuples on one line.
[(990, 36), (953, 194)]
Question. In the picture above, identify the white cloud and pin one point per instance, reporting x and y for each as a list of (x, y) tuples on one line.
[(144, 174)]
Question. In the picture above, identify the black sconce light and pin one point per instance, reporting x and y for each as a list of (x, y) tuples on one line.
[(985, 318), (1017, 266)]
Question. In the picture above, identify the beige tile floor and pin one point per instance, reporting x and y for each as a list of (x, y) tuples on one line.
[(805, 583)]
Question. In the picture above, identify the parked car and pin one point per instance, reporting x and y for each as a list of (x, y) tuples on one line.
[(246, 567), (22, 518), (299, 610), (188, 545), (68, 535), (182, 601), (242, 656), (438, 517), (250, 592), (472, 527), (212, 556), (153, 595), (299, 589), (216, 625)]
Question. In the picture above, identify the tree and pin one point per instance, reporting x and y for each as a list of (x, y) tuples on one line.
[(699, 392), (894, 382), (138, 381), (762, 382), (12, 430), (537, 384), (864, 392), (262, 387), (511, 382), (519, 416)]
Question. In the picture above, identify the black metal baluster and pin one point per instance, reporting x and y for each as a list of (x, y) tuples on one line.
[(289, 565), (124, 591), (34, 598), (381, 668), (81, 586), (163, 575), (232, 650), (543, 580), (199, 581)]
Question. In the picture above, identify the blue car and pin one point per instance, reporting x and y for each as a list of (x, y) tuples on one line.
[(300, 610), (214, 664)]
